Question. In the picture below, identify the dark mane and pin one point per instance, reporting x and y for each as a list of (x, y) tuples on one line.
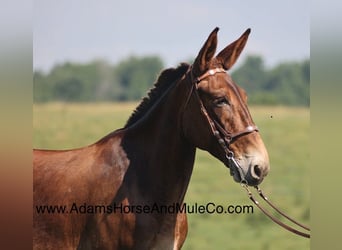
[(165, 79)]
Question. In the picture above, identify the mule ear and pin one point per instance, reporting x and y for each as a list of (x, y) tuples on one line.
[(206, 53), (228, 56)]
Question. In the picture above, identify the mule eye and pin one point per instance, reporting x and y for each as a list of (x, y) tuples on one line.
[(222, 101)]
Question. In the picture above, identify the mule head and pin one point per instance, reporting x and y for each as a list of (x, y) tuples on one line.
[(225, 105)]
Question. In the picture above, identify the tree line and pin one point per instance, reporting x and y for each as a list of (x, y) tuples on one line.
[(129, 80)]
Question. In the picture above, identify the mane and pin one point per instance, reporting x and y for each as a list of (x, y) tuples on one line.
[(164, 81)]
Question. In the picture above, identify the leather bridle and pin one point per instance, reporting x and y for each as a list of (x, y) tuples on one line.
[(225, 138)]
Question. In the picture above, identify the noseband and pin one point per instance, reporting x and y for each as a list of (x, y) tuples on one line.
[(225, 138)]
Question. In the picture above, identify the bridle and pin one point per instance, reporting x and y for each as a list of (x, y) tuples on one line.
[(225, 138)]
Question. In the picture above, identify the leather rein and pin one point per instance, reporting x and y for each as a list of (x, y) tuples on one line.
[(225, 138)]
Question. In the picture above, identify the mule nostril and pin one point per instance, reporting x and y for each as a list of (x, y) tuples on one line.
[(256, 172)]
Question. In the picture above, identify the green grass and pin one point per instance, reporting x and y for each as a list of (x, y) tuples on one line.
[(285, 132)]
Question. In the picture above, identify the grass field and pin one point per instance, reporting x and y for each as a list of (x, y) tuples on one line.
[(286, 134)]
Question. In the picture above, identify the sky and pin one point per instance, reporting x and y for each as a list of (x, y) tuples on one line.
[(85, 30)]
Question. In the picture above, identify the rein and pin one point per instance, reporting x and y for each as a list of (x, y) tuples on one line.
[(225, 138), (287, 227)]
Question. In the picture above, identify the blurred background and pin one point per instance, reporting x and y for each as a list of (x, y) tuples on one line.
[(86, 51), (94, 60)]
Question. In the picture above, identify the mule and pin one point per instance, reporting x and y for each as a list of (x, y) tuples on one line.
[(149, 161)]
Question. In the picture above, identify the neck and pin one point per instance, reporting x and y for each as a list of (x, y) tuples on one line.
[(162, 159)]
